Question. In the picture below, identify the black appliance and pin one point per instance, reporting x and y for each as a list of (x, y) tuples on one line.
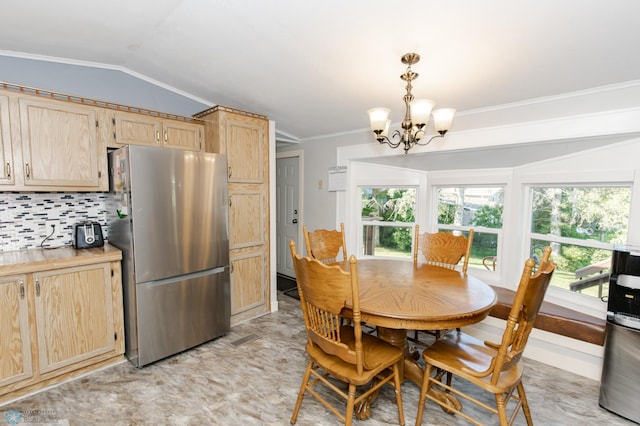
[(620, 383), (88, 235)]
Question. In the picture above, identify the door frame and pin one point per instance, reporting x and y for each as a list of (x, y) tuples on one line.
[(300, 155)]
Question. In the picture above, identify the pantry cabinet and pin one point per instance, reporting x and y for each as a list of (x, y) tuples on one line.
[(62, 316), (243, 137), (141, 129)]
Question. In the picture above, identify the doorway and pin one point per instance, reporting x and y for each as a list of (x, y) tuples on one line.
[(288, 213)]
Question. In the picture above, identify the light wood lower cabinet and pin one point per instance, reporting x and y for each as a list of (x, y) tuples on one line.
[(15, 357), (248, 285), (57, 324), (74, 315)]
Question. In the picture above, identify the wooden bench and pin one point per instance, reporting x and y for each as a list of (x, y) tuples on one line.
[(556, 319)]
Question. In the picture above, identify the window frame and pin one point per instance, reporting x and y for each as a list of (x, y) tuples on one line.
[(528, 235), (361, 223), (478, 179), (524, 181)]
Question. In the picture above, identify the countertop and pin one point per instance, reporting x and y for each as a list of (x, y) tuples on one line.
[(35, 260)]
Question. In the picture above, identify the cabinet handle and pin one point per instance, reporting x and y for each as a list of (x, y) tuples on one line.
[(231, 268), (8, 170), (229, 171), (230, 202), (166, 136), (158, 135), (28, 170), (21, 289), (37, 287)]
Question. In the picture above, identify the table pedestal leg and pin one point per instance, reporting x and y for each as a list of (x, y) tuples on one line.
[(409, 370)]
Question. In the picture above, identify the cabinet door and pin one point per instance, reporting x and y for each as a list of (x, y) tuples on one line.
[(247, 281), (6, 157), (15, 343), (74, 314), (246, 218), (56, 135), (187, 136), (245, 139), (138, 129)]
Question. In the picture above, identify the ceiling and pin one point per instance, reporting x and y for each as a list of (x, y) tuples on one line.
[(315, 67)]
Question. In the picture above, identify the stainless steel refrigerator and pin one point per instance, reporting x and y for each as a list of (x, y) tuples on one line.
[(168, 214)]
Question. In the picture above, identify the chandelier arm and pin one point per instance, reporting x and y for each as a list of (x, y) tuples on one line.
[(390, 142), (419, 142)]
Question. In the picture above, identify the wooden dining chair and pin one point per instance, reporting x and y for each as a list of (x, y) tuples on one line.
[(324, 245), (338, 350), (495, 368), (443, 249)]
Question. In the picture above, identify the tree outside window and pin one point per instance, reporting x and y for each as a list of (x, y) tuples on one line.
[(582, 225), (387, 220)]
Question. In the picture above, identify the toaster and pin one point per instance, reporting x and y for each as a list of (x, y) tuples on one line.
[(88, 235)]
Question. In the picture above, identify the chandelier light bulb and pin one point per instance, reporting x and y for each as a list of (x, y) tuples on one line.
[(378, 117), (420, 111), (442, 119)]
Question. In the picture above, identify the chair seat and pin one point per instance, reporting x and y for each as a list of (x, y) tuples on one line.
[(378, 355), (463, 355)]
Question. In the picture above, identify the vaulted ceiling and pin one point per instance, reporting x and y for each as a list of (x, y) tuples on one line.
[(315, 67)]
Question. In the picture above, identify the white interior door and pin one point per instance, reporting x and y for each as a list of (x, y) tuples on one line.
[(287, 212)]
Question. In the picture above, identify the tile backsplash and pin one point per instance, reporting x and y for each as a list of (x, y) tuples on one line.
[(24, 217)]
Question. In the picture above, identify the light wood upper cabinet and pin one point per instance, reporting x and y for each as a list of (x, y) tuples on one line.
[(138, 129), (15, 355), (244, 147), (6, 157), (141, 129), (59, 146), (74, 315), (55, 146), (183, 135)]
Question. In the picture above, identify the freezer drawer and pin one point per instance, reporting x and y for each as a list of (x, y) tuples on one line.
[(180, 313), (620, 384)]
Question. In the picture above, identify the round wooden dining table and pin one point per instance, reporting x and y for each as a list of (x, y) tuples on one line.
[(400, 295)]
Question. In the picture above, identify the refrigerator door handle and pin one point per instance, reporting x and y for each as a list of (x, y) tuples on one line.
[(171, 280)]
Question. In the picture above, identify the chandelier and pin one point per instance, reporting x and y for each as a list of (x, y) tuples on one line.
[(416, 117)]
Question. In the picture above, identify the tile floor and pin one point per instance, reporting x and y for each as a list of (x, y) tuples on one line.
[(251, 377)]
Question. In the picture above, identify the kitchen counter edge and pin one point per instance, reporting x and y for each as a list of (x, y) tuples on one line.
[(35, 260)]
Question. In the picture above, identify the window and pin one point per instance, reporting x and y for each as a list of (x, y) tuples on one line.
[(581, 224), (387, 220), (461, 208)]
